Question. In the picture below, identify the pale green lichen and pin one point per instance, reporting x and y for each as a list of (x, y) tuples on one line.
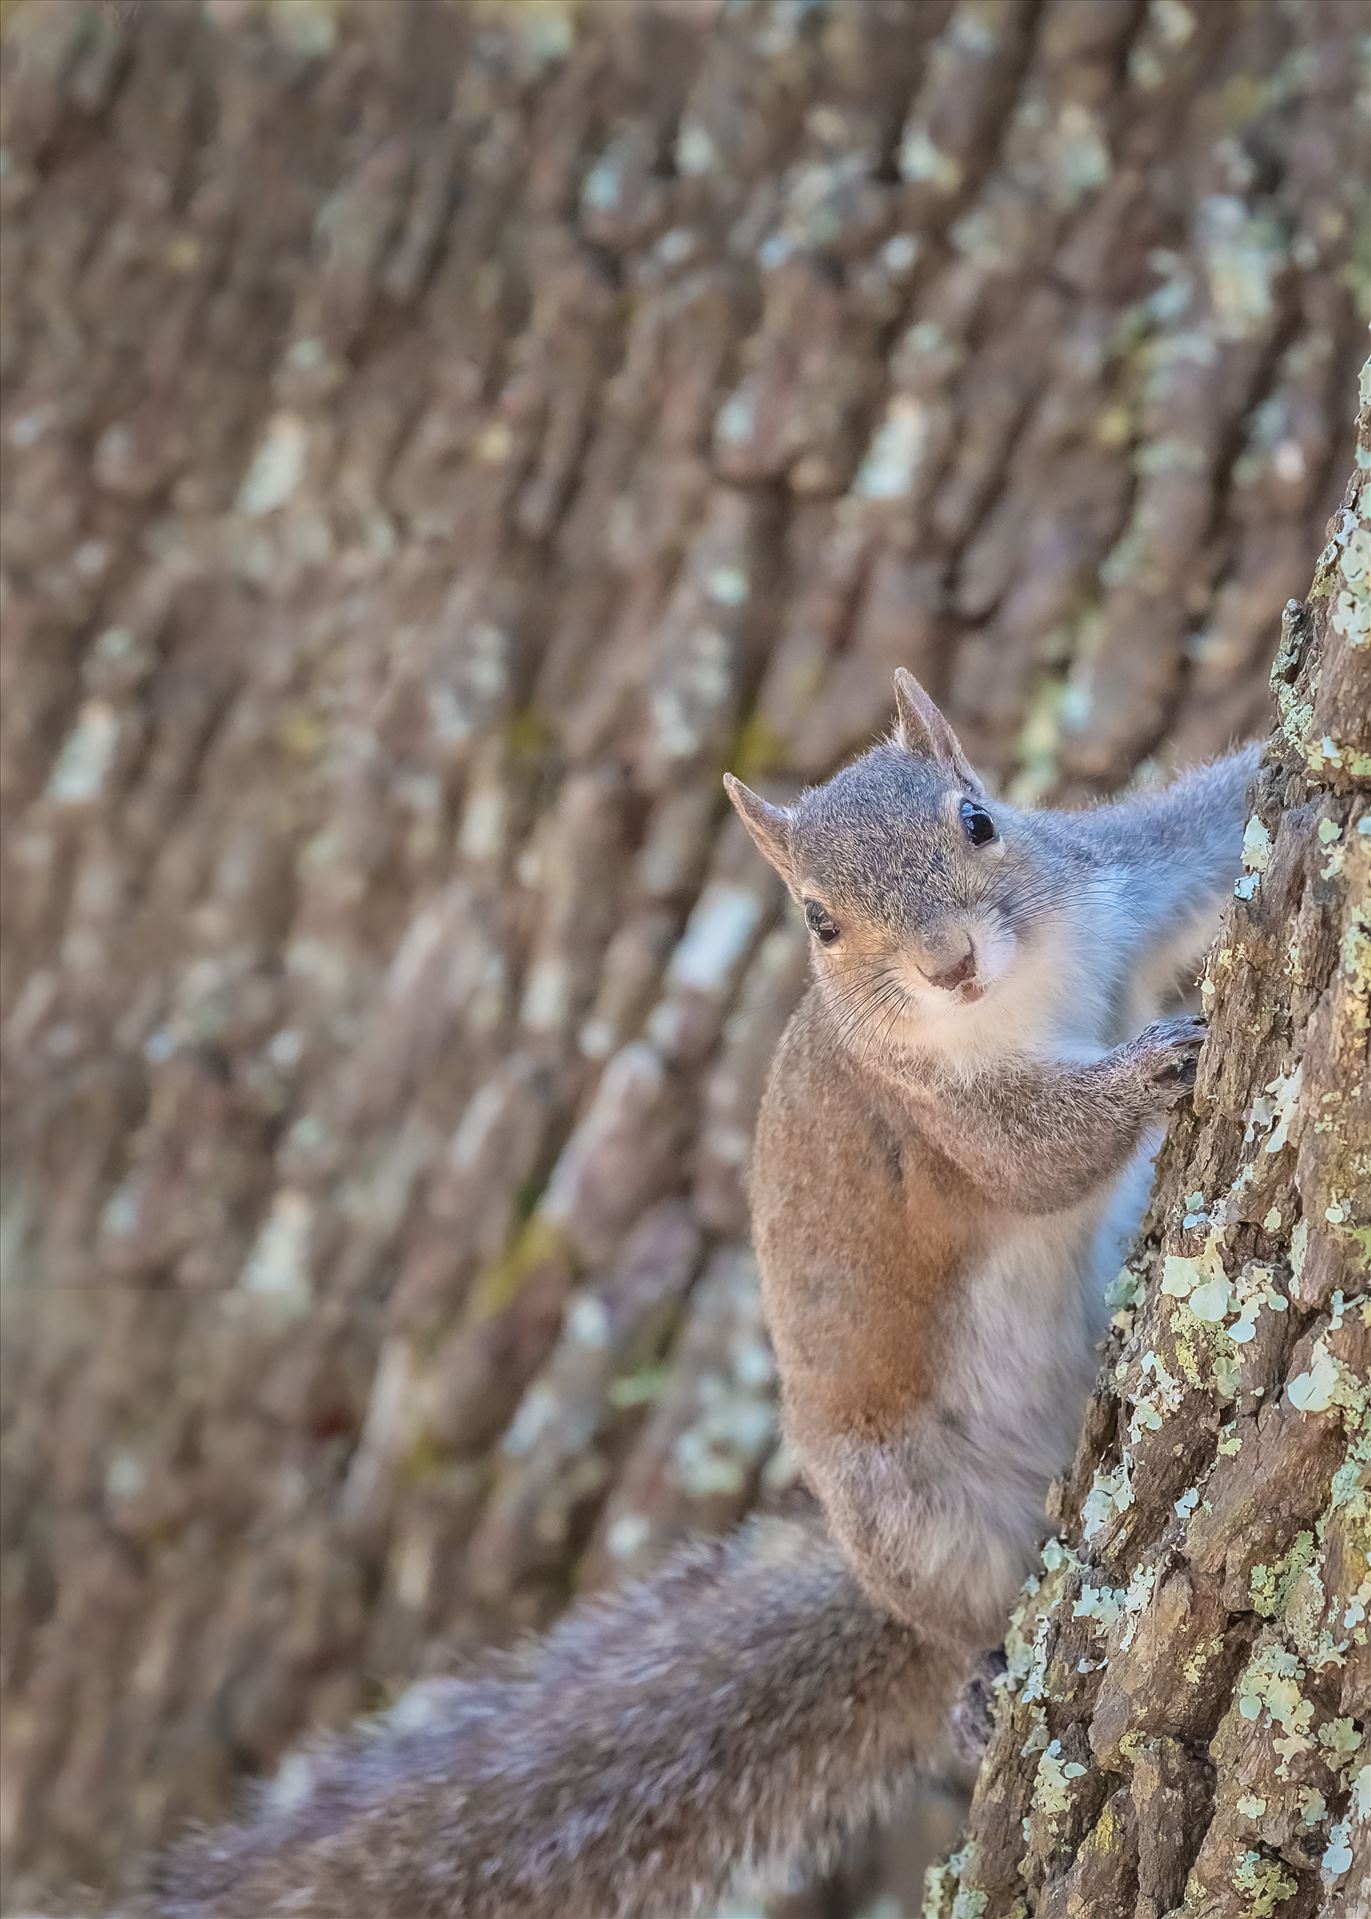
[(1149, 1408), (944, 1882), (627, 1535), (1111, 1493), (1168, 456), (87, 754), (1293, 704), (1273, 1109), (716, 937), (728, 585), (1340, 1736), (1100, 1604), (983, 235), (1263, 1883), (737, 418), (1361, 1792), (1173, 20), (1026, 1658), (1052, 1782), (696, 152), (1256, 846), (1025, 1655), (1136, 1598), (1313, 1807), (1123, 1295), (277, 1268), (890, 466), (1036, 749), (1255, 1288), (1337, 1855), (1210, 1302), (1327, 1383), (1078, 153), (1269, 1693), (1243, 252), (1270, 1586), (307, 28), (1126, 1288), (276, 468), (603, 187), (1207, 1292), (922, 162), (1350, 614), (969, 1903), (1194, 1663), (1348, 1492), (1180, 1274), (1326, 752)]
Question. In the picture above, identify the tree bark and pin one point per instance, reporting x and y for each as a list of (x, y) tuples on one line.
[(438, 438), (1183, 1728)]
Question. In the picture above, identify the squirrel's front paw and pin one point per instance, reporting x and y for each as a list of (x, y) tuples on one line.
[(1168, 1053)]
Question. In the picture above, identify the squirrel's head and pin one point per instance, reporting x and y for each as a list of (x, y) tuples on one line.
[(918, 889)]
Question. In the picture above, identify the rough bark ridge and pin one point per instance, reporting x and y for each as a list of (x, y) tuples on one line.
[(436, 439), (1184, 1725)]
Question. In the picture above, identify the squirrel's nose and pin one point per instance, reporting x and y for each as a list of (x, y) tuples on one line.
[(953, 976)]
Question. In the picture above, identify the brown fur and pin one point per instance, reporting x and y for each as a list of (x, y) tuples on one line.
[(857, 1305), (933, 1167)]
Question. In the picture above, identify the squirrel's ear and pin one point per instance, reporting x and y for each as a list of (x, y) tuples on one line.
[(769, 825), (921, 728)]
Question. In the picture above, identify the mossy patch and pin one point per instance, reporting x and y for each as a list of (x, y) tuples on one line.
[(538, 1243)]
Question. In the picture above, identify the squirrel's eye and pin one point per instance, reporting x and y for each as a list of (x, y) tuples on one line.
[(980, 828), (824, 929)]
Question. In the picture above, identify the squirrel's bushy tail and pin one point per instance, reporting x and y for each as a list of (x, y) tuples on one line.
[(746, 1705)]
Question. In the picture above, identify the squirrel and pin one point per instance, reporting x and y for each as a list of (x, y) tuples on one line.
[(952, 1150)]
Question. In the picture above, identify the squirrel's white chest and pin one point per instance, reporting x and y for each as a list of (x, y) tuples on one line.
[(1035, 1313), (1026, 1357)]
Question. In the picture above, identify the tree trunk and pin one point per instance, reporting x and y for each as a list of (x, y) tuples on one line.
[(1184, 1722), (437, 438)]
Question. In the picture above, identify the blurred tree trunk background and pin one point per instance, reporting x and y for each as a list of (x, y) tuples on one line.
[(437, 439)]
